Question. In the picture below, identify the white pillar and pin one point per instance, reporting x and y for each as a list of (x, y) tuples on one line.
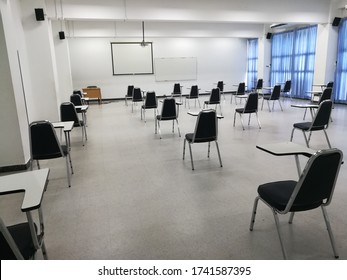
[(326, 51)]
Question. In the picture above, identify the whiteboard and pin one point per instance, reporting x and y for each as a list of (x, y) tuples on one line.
[(175, 68), (132, 58)]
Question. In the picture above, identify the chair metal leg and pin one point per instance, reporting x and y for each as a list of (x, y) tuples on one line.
[(291, 136), (305, 114), (220, 159), (256, 114), (178, 128), (68, 172), (184, 147), (191, 155), (291, 217), (306, 140), (332, 239), (254, 212), (268, 105), (38, 164), (326, 136), (173, 126), (208, 149), (159, 129), (280, 105), (279, 233), (234, 117), (249, 119), (242, 122), (70, 162)]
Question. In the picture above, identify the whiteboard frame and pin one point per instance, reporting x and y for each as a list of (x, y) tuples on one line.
[(149, 71)]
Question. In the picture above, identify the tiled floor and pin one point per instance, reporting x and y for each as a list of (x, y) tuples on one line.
[(133, 197)]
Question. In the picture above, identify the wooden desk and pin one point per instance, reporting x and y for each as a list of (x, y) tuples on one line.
[(287, 149), (93, 93)]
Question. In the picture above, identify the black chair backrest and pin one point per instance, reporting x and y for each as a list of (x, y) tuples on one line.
[(168, 110), (241, 88), (259, 84), (76, 99), (252, 103), (326, 95), (276, 93), (130, 91), (79, 92), (44, 141), (137, 94), (215, 95), (91, 86), (330, 85), (151, 100), (68, 112), (206, 128), (220, 85), (177, 88), (317, 182), (322, 117), (194, 91), (287, 86)]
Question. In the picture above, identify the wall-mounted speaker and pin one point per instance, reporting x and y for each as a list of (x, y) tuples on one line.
[(268, 35), (336, 21), (61, 35), (39, 14)]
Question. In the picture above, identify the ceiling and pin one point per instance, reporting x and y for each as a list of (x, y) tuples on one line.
[(224, 18)]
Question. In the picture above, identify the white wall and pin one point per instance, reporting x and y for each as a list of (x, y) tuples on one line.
[(63, 66), (217, 59), (14, 140)]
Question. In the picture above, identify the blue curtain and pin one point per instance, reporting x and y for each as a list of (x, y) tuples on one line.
[(340, 85), (252, 63), (281, 57), (292, 58), (303, 61)]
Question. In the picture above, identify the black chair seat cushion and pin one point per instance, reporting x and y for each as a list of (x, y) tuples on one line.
[(241, 111), (160, 118), (52, 155), (192, 97), (306, 126), (149, 107), (277, 195), (77, 124), (22, 237), (212, 102), (189, 137)]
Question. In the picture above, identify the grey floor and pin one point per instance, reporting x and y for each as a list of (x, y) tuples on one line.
[(133, 197)]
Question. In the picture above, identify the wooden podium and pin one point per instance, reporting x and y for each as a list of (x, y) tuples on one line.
[(93, 93)]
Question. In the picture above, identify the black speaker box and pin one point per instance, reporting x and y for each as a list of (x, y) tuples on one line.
[(268, 35), (336, 21), (39, 14), (61, 35)]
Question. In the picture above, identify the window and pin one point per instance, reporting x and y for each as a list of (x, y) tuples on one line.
[(292, 58), (281, 57), (340, 88), (303, 61), (252, 63)]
